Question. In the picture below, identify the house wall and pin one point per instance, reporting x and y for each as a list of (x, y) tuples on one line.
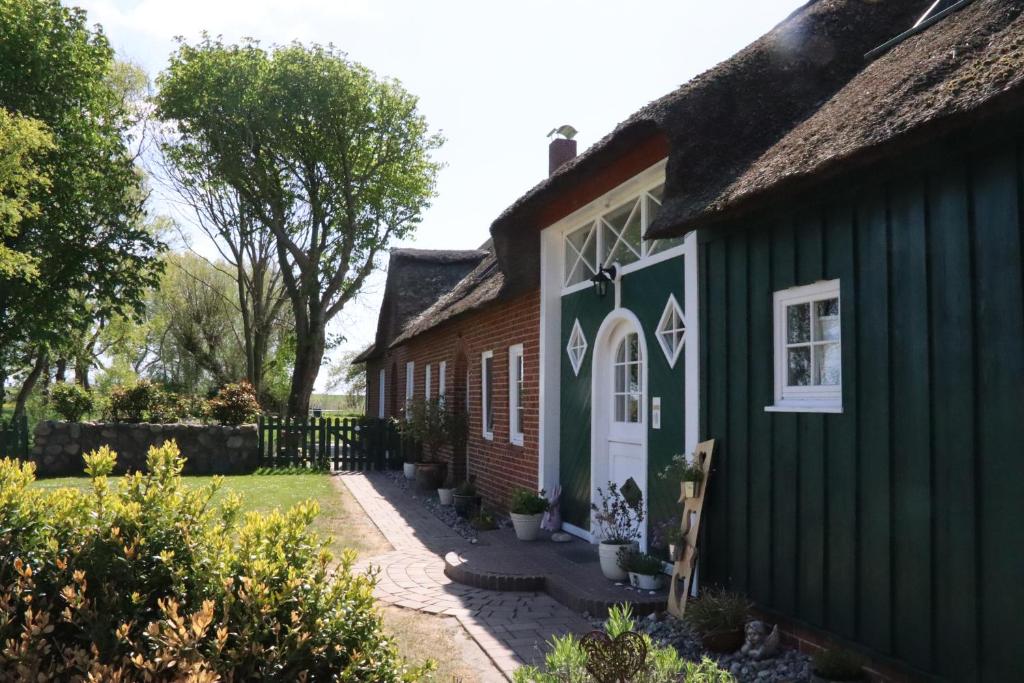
[(899, 523), (499, 466)]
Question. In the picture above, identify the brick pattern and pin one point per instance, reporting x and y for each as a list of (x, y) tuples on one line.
[(499, 465)]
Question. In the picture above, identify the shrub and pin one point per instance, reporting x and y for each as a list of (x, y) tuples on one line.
[(620, 518), (717, 611), (642, 563), (681, 469), (148, 579), (567, 660), (235, 404), (837, 665), (526, 502), (143, 401), (70, 401)]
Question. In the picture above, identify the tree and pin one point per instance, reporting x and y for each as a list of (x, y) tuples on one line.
[(89, 238), (348, 377), (332, 161), (22, 141)]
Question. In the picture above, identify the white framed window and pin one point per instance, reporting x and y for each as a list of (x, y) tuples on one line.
[(381, 383), (627, 394), (577, 347), (442, 372), (426, 383), (808, 349), (487, 393), (671, 332), (410, 387), (615, 236), (516, 372)]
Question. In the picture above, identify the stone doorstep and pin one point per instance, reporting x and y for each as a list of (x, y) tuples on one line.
[(562, 587)]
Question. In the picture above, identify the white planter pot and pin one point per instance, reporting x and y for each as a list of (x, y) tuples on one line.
[(527, 526), (409, 470), (445, 495), (646, 582), (608, 553)]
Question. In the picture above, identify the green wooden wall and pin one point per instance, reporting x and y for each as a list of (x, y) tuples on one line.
[(898, 524), (645, 292)]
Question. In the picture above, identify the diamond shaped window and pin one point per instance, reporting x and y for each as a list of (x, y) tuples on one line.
[(671, 330), (577, 347)]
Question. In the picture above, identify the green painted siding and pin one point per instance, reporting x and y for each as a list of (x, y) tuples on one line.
[(645, 292), (898, 524)]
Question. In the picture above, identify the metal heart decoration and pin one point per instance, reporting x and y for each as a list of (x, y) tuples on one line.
[(614, 660)]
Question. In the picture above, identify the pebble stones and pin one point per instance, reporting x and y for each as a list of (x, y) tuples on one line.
[(446, 513), (789, 666)]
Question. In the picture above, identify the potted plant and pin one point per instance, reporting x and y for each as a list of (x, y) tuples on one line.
[(526, 509), (688, 473), (719, 616), (833, 665), (676, 542), (465, 497), (428, 426), (619, 520), (646, 572), (446, 492)]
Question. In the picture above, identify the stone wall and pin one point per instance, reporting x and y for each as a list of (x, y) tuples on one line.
[(208, 449)]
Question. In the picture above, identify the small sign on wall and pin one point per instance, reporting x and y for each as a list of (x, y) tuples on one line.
[(656, 412)]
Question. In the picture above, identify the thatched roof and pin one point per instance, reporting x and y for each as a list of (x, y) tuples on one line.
[(967, 64), (480, 287), (416, 279), (724, 119)]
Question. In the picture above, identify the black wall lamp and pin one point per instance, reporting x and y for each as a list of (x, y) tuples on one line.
[(602, 278)]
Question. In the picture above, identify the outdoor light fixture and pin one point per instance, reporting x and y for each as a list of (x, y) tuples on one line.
[(602, 278)]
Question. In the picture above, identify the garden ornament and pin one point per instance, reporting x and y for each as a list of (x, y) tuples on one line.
[(552, 520), (614, 660), (760, 643)]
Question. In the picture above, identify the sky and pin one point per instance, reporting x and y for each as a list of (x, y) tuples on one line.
[(492, 77)]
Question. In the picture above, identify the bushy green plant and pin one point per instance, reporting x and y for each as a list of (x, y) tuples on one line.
[(148, 579), (70, 401), (682, 469), (718, 611), (642, 563), (467, 487), (484, 521), (526, 502), (427, 423), (234, 404), (566, 661), (837, 665), (143, 401)]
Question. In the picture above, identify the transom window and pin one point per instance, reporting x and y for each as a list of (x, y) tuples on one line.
[(577, 347), (627, 394), (671, 330), (808, 348), (614, 237)]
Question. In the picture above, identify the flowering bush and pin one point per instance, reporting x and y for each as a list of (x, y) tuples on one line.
[(619, 518), (234, 404), (149, 580), (70, 401)]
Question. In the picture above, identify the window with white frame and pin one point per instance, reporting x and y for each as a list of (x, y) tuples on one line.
[(410, 387), (487, 393), (381, 379), (614, 237), (627, 396), (577, 347), (516, 372), (808, 348), (671, 331), (442, 371), (426, 383)]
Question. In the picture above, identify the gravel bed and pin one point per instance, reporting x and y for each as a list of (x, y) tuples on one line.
[(445, 513), (789, 666)]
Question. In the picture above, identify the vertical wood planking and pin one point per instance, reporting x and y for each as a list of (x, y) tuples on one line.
[(737, 400), (717, 409)]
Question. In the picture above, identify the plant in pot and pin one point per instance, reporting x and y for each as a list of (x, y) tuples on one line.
[(833, 665), (447, 490), (618, 519), (719, 616), (646, 572), (465, 498), (428, 425), (526, 510), (667, 534), (688, 473)]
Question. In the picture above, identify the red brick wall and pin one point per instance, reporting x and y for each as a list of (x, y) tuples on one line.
[(499, 465)]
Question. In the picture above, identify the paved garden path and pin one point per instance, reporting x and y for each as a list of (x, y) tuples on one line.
[(511, 628)]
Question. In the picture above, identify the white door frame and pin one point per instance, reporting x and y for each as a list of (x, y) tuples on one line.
[(600, 408)]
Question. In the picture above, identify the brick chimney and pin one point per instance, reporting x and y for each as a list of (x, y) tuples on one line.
[(561, 149)]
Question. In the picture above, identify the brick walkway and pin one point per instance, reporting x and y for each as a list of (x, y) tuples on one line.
[(511, 628)]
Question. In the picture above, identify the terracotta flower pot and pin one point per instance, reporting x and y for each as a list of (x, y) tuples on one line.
[(722, 642), (430, 475)]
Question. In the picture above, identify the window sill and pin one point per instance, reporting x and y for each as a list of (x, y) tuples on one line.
[(804, 407), (517, 440), (489, 436)]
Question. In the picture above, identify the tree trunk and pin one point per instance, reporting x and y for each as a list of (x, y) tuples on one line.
[(60, 374), (30, 383), (309, 354)]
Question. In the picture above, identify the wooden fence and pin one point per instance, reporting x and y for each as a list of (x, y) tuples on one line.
[(329, 443), (14, 438)]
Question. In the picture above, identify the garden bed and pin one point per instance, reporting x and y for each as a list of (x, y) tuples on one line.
[(445, 513)]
